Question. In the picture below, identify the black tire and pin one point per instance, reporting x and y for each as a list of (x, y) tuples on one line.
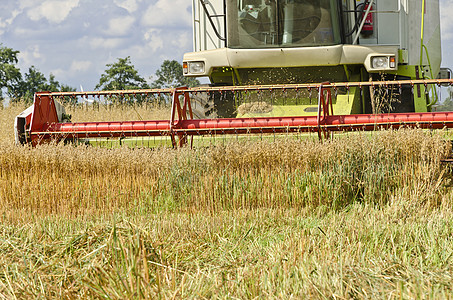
[(213, 105), (203, 106), (401, 99)]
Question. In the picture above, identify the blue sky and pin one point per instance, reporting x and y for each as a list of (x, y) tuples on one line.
[(75, 39)]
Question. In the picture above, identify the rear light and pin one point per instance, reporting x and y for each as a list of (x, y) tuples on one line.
[(392, 62)]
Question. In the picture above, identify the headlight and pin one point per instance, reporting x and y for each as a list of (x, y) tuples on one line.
[(196, 67), (383, 62), (377, 62), (380, 62)]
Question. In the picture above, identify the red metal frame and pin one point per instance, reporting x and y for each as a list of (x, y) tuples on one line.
[(325, 107), (44, 114), (184, 112), (184, 128), (181, 126)]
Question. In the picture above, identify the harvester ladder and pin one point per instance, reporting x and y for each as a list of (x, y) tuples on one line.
[(204, 4)]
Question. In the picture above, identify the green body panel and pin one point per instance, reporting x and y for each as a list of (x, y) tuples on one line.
[(421, 100), (349, 103), (344, 104), (353, 101)]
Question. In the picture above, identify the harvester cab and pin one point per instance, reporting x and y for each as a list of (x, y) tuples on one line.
[(265, 42)]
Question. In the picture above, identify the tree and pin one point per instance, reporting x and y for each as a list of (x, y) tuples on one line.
[(10, 75), (170, 74), (54, 86), (23, 88), (121, 75), (34, 81)]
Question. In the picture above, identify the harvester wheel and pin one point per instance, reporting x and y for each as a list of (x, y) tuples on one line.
[(213, 105), (203, 106)]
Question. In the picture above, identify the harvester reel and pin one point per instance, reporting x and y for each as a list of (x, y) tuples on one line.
[(43, 121)]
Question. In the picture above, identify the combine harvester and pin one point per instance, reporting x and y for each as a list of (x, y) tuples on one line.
[(284, 66)]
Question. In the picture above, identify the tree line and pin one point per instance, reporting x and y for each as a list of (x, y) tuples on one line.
[(120, 75), (21, 87)]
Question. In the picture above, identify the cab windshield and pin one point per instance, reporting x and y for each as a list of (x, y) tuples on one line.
[(282, 23)]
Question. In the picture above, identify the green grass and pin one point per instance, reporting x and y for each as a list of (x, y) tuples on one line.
[(360, 252), (360, 216)]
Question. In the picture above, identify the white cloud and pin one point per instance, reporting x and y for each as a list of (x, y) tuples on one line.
[(168, 13), (26, 3), (101, 43), (59, 73), (91, 34), (7, 22), (129, 5), (55, 11), (154, 39), (446, 11), (31, 56), (120, 26), (80, 65), (183, 40)]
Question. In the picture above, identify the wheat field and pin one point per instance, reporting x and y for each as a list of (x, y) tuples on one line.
[(360, 216)]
